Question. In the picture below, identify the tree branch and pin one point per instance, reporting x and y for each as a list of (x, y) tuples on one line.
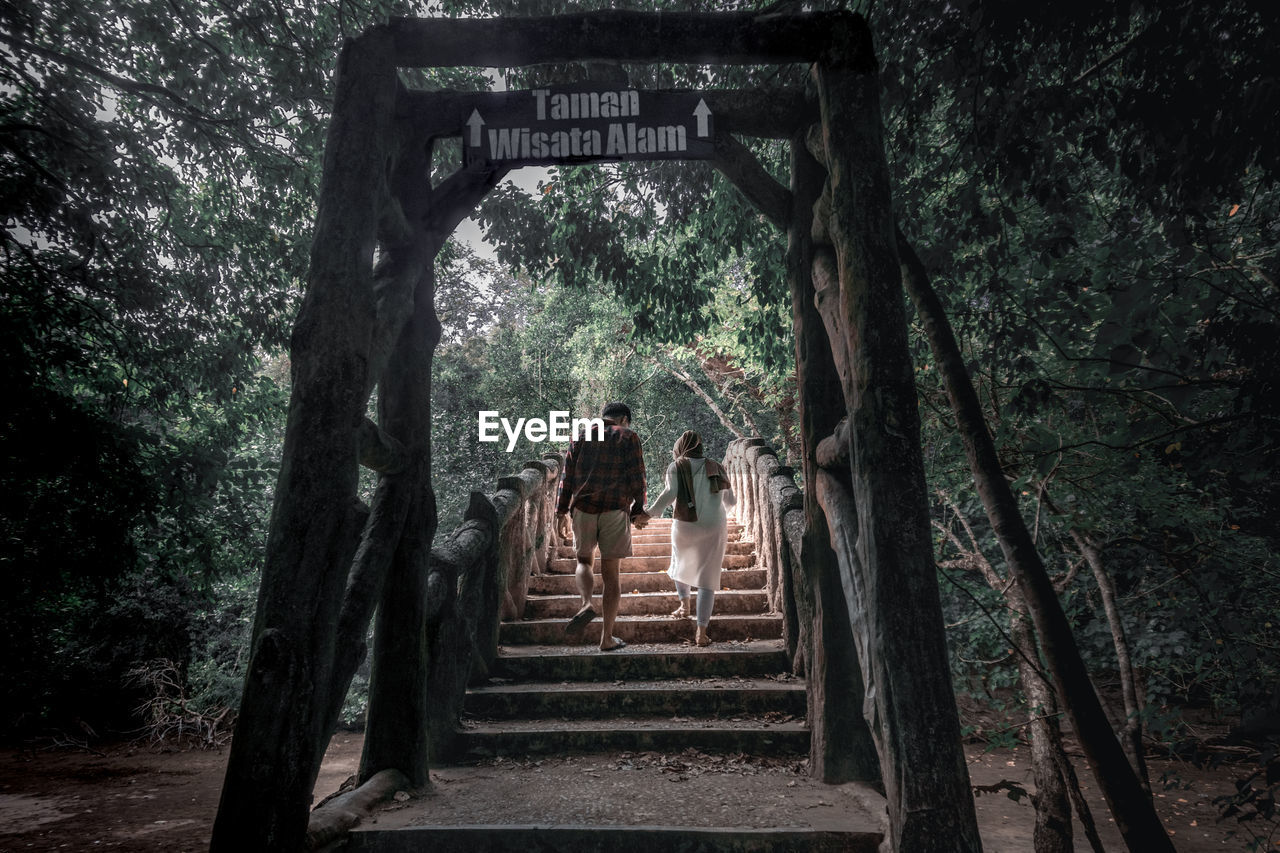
[(149, 90), (697, 389), (736, 162)]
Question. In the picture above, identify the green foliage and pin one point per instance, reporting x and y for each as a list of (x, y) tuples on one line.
[(611, 225), (158, 168), (662, 237), (220, 645), (1092, 187), (1112, 299), (552, 348)]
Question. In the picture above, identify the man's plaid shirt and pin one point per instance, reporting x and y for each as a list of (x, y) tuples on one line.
[(604, 475)]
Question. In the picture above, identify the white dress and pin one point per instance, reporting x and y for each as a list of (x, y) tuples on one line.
[(697, 547)]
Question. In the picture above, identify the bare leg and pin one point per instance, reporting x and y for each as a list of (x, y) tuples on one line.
[(586, 585), (706, 600), (610, 597), (683, 611), (586, 580)]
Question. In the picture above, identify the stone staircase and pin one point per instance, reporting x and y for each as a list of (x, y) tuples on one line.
[(552, 694), (594, 721)]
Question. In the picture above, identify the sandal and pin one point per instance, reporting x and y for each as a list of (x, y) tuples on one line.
[(617, 644), (580, 620)]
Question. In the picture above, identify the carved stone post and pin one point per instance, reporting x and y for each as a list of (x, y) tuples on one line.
[(841, 748), (926, 781), (396, 732), (315, 524)]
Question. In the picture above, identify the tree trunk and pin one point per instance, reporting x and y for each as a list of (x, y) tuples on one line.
[(284, 710), (926, 779), (1052, 833), (736, 162), (1131, 731), (1134, 813), (452, 637), (1067, 771)]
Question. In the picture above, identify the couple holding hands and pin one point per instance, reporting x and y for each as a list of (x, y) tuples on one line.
[(603, 493)]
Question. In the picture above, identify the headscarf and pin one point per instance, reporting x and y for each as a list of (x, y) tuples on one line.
[(689, 446)]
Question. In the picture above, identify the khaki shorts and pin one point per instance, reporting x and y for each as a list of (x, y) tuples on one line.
[(610, 530)]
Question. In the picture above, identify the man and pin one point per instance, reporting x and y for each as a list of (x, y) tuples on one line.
[(603, 488)]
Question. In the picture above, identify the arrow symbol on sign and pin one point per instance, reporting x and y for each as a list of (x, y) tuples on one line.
[(702, 112), (474, 123)]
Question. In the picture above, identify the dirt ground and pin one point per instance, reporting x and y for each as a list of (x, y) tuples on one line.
[(131, 798)]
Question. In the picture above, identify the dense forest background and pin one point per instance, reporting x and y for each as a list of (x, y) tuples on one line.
[(1092, 187)]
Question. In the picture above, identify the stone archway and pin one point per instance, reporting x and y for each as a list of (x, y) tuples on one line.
[(330, 562)]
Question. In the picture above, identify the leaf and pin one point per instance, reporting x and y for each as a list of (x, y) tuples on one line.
[(1123, 358)]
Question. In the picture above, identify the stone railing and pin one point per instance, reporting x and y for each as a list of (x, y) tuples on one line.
[(805, 587), (770, 509), (504, 538)]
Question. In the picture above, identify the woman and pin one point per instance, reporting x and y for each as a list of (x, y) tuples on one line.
[(700, 489)]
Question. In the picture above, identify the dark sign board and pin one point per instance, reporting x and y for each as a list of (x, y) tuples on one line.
[(558, 125)]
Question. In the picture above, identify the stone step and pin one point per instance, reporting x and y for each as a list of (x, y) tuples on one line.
[(628, 802), (615, 839), (665, 521), (633, 603), (644, 662), (636, 734), (567, 565), (683, 697), (633, 582), (641, 629), (658, 548), (663, 526), (735, 531), (662, 536)]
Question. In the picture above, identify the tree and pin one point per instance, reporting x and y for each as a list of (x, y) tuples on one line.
[(1065, 172), (157, 190)]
